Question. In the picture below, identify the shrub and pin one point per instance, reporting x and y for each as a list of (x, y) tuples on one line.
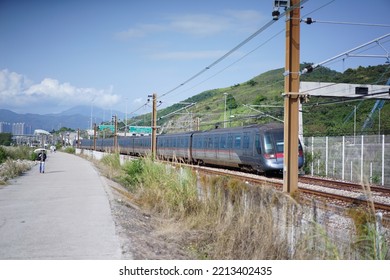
[(3, 155), (132, 173), (70, 150)]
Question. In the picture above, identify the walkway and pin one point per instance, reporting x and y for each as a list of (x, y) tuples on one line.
[(61, 214)]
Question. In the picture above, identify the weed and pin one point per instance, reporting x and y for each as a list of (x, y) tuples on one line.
[(70, 150), (13, 168), (224, 218), (112, 166)]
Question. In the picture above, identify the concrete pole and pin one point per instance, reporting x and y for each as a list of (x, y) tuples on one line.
[(154, 127), (94, 136), (291, 100), (116, 134)]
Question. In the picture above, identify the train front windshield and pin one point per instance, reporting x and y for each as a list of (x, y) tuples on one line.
[(273, 144)]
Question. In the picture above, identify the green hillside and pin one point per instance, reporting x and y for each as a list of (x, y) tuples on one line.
[(260, 100)]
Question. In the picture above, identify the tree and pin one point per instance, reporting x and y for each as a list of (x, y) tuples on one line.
[(5, 139), (231, 102)]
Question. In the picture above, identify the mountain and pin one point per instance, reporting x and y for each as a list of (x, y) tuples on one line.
[(47, 122), (78, 117), (96, 112), (260, 100)]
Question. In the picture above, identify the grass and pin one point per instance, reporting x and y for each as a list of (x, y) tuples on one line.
[(70, 150), (14, 161), (224, 218)]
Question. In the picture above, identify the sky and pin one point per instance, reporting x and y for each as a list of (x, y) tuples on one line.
[(55, 54)]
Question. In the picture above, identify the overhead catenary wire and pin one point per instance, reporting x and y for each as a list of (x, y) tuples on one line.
[(236, 61), (263, 28), (310, 20), (255, 49), (310, 68)]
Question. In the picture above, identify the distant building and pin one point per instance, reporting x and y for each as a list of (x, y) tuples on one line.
[(5, 127), (18, 128)]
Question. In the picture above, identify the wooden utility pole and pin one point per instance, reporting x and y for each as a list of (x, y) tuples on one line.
[(154, 127), (291, 100)]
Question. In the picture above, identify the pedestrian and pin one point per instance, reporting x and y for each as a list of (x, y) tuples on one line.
[(42, 159)]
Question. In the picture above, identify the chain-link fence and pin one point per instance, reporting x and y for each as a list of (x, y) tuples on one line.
[(362, 159)]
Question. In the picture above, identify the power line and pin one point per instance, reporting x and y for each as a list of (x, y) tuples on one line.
[(238, 60), (310, 20), (266, 26), (310, 68)]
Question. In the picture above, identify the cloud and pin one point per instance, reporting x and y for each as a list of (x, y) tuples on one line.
[(20, 94), (188, 55), (139, 100), (197, 24), (140, 30)]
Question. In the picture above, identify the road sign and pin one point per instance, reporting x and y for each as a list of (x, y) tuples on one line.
[(140, 129), (106, 126)]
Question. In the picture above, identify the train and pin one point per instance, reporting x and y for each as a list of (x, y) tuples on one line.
[(253, 148)]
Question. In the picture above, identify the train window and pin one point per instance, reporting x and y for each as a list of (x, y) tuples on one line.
[(268, 146), (197, 143), (216, 142), (230, 142), (209, 142), (246, 142), (223, 142), (279, 142), (237, 141)]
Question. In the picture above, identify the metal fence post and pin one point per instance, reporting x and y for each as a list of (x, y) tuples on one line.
[(362, 160), (383, 160), (312, 156), (343, 160), (326, 155)]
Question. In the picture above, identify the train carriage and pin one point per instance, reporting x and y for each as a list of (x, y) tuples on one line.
[(175, 146), (126, 145), (258, 148), (141, 145)]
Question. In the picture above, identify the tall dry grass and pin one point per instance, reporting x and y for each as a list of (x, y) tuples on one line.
[(14, 161), (223, 218)]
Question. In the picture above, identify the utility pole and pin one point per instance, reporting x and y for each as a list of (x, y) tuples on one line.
[(115, 134), (94, 136), (291, 99), (154, 127), (78, 138)]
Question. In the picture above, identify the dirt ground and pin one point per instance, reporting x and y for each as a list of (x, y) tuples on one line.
[(142, 235)]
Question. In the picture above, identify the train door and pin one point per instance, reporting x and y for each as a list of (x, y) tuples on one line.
[(223, 151), (246, 147), (216, 146), (257, 146), (230, 146)]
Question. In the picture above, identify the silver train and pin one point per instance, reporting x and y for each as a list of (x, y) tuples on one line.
[(255, 148)]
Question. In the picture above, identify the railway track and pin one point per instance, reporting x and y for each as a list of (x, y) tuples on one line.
[(343, 184), (346, 192), (349, 192)]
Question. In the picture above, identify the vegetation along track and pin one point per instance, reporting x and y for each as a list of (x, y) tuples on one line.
[(338, 190), (347, 191)]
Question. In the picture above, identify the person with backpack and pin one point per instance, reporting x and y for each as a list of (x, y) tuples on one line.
[(42, 158)]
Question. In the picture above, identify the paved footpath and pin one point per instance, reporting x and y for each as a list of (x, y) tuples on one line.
[(63, 213)]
